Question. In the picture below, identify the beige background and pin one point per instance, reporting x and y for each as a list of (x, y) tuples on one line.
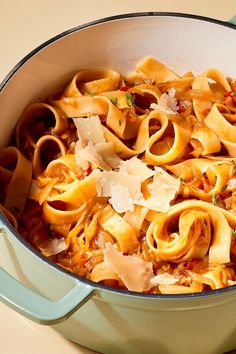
[(24, 25)]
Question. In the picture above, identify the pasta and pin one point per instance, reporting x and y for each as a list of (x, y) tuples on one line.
[(130, 181)]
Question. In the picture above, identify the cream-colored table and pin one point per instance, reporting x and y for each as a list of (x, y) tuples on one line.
[(24, 25)]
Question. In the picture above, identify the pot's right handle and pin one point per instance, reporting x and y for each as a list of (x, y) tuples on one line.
[(233, 20), (38, 308)]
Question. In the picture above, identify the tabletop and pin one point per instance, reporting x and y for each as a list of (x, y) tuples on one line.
[(24, 25)]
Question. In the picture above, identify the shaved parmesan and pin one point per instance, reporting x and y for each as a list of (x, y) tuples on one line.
[(108, 155), (136, 217), (92, 147), (89, 129), (53, 246), (231, 183), (162, 190), (101, 156), (172, 92), (106, 180), (132, 270), (166, 103), (121, 200), (136, 167), (164, 279)]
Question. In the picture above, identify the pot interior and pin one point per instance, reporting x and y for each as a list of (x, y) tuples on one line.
[(183, 43)]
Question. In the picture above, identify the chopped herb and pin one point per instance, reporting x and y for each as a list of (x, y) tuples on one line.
[(129, 99), (234, 165), (195, 188), (223, 188), (114, 100), (233, 233), (119, 121), (124, 88), (215, 198), (182, 181)]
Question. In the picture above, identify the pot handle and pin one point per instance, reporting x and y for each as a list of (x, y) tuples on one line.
[(38, 308), (233, 20)]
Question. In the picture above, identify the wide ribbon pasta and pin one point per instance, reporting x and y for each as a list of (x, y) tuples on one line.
[(130, 181)]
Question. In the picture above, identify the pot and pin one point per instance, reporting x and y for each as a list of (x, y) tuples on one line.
[(98, 317)]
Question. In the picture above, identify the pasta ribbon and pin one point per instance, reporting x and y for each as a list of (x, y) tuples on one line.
[(222, 128), (154, 153), (125, 234), (92, 82), (45, 143), (200, 173), (201, 83), (36, 120), (193, 236), (16, 174), (155, 70), (100, 273), (210, 143), (77, 192), (130, 180)]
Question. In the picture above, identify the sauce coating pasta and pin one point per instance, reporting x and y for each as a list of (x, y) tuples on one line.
[(130, 181)]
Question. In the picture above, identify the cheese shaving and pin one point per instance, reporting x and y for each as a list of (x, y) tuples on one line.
[(162, 190), (53, 246), (106, 180), (100, 156), (121, 200), (136, 167), (89, 130), (92, 147), (164, 279), (132, 270), (166, 103)]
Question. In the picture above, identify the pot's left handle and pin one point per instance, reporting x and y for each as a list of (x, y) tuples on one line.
[(38, 308), (34, 306)]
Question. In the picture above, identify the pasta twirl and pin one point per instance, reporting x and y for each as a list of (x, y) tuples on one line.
[(130, 181)]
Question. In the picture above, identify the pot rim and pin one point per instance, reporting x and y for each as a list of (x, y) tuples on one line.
[(35, 252)]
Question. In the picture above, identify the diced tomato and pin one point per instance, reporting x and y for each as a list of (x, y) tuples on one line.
[(88, 171), (82, 174), (124, 88), (181, 108), (206, 111), (190, 265), (234, 100), (103, 118), (83, 259), (228, 94)]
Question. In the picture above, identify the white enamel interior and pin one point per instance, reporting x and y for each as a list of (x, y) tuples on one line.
[(113, 323), (182, 43)]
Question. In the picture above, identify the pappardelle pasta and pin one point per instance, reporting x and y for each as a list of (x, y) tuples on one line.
[(130, 181)]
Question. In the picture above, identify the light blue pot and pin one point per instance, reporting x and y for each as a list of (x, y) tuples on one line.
[(103, 319)]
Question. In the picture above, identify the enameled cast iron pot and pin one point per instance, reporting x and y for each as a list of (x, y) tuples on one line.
[(104, 319)]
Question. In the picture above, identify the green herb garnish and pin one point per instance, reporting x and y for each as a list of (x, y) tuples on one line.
[(195, 188), (215, 198), (234, 165), (182, 181), (233, 233), (129, 99), (114, 100), (223, 188)]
